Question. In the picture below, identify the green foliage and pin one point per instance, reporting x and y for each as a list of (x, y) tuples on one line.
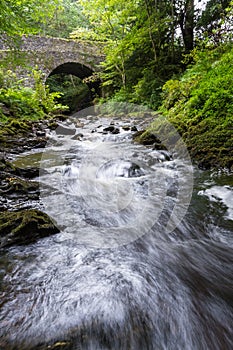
[(86, 34), (22, 16), (142, 50), (66, 17), (24, 102), (215, 22), (200, 104), (47, 100), (72, 91)]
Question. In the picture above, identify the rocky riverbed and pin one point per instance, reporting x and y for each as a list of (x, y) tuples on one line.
[(21, 220), (119, 275)]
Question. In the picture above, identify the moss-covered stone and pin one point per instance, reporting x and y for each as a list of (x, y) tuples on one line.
[(24, 227), (15, 185), (21, 125), (16, 137), (9, 168), (148, 138)]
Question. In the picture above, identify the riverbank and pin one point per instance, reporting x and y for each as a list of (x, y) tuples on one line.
[(21, 218), (207, 149), (200, 106)]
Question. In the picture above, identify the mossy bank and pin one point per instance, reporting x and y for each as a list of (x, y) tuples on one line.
[(200, 106)]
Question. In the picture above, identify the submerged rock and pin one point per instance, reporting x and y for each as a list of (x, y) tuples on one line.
[(24, 227)]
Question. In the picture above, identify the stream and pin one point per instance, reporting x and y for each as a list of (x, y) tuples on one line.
[(144, 256)]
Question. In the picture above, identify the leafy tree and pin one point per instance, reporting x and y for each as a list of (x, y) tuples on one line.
[(66, 16), (143, 46), (22, 16), (211, 23), (112, 20), (184, 14)]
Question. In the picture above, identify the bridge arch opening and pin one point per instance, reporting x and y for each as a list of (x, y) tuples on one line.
[(67, 78)]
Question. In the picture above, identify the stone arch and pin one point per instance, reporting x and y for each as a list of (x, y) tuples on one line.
[(79, 70)]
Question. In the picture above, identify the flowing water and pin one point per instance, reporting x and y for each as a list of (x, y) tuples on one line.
[(130, 269)]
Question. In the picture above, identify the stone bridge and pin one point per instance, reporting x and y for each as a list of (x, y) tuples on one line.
[(55, 56)]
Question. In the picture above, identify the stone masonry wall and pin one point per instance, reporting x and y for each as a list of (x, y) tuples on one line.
[(47, 53)]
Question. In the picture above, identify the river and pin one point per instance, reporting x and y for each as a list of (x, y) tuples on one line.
[(134, 267)]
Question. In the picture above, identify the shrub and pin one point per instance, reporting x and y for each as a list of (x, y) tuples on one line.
[(25, 102)]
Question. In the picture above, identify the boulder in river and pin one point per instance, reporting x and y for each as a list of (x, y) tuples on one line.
[(24, 227), (64, 130), (112, 129), (147, 138)]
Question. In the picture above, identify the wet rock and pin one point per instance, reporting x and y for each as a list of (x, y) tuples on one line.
[(77, 137), (166, 155), (61, 117), (134, 128), (64, 130), (115, 168), (126, 127), (112, 129), (158, 146), (116, 131), (109, 129), (24, 227), (16, 144), (27, 173), (16, 190), (79, 125), (5, 165), (52, 125), (138, 134), (14, 186), (147, 138), (40, 133), (3, 204)]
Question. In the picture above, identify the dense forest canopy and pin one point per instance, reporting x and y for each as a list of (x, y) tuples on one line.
[(146, 40)]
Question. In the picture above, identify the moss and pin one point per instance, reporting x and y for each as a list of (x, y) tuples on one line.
[(24, 227), (14, 125), (146, 137), (6, 166), (16, 185), (19, 125), (204, 116)]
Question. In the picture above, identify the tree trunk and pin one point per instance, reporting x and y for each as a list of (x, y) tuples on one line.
[(150, 30), (187, 25)]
